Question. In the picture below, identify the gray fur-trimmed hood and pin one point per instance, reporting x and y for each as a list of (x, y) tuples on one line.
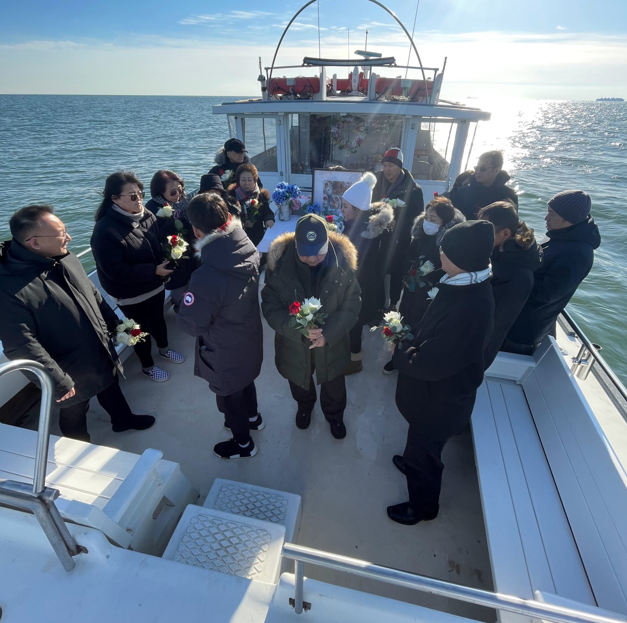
[(213, 236), (221, 158), (416, 228), (378, 221)]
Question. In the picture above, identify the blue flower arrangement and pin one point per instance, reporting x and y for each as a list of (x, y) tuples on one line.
[(314, 208), (286, 194)]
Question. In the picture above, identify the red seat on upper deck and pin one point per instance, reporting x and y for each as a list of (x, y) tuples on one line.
[(295, 86)]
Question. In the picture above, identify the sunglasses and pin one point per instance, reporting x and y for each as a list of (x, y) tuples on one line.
[(484, 169), (135, 196), (176, 191)]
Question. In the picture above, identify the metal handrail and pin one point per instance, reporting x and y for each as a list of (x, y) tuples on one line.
[(424, 584), (85, 252), (39, 499), (620, 388)]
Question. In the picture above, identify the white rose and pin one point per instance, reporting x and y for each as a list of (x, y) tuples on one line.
[(432, 293), (396, 325), (128, 323), (309, 317), (312, 304), (123, 338), (177, 253), (400, 203), (165, 211), (393, 315), (427, 268), (225, 176)]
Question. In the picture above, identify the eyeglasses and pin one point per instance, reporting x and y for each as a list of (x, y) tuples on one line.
[(134, 196), (483, 169), (63, 235)]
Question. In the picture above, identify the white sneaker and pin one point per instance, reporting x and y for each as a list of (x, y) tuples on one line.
[(157, 375)]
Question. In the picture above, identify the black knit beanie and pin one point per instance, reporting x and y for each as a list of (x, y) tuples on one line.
[(469, 245), (572, 205)]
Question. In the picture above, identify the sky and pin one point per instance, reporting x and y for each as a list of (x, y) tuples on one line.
[(548, 49)]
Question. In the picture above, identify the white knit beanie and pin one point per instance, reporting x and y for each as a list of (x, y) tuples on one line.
[(360, 193)]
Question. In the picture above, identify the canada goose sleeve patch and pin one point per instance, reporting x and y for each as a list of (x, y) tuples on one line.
[(188, 299)]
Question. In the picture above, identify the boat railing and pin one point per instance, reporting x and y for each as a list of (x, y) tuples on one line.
[(589, 356), (39, 499), (497, 601)]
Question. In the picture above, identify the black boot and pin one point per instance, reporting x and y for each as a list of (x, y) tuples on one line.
[(406, 515), (399, 463), (137, 422), (338, 430), (303, 420)]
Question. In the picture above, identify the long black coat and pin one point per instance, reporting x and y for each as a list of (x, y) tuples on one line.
[(127, 254), (513, 266), (568, 256), (440, 371), (398, 243), (221, 310), (471, 198), (263, 213), (368, 233), (50, 312)]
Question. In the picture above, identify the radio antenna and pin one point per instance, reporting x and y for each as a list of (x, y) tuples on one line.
[(412, 38)]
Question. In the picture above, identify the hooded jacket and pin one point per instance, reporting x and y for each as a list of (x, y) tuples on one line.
[(440, 371), (471, 198), (127, 254), (398, 243), (50, 312), (368, 233), (221, 310), (513, 267), (416, 285), (568, 256), (224, 165), (335, 284), (262, 213)]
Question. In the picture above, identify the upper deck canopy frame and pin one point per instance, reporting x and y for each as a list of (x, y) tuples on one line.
[(390, 12)]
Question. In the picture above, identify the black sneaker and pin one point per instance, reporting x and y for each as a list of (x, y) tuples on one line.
[(258, 424), (138, 422), (303, 420), (389, 368), (338, 430), (232, 450)]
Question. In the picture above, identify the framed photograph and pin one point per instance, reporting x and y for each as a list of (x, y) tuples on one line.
[(330, 186)]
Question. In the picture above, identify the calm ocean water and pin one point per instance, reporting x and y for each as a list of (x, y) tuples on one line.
[(60, 149)]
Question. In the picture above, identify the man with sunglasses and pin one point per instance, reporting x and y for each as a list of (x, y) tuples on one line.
[(487, 186), (51, 313)]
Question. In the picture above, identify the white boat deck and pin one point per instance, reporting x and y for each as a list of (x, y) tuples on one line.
[(345, 485)]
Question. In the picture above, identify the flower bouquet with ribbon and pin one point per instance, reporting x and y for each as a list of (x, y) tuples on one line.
[(334, 218), (286, 197), (174, 249), (306, 315), (417, 275), (128, 333), (394, 330), (167, 211)]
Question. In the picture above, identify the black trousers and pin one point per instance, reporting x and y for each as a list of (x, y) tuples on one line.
[(73, 420), (354, 336), (149, 315), (238, 409), (332, 398), (424, 467)]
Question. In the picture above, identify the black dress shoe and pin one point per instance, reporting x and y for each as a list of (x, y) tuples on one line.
[(399, 463), (338, 430), (303, 420), (137, 422), (406, 515)]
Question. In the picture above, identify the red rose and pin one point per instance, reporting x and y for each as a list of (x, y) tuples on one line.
[(174, 240), (329, 218), (221, 172), (136, 332), (294, 308), (388, 332), (412, 272)]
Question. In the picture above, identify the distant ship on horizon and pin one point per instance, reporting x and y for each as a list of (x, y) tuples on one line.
[(610, 99)]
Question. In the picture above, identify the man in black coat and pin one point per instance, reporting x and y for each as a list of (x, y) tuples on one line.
[(221, 310), (51, 313), (515, 257), (228, 158), (568, 256), (487, 186), (441, 369), (395, 182)]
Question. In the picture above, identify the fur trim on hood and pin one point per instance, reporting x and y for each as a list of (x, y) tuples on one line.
[(378, 222), (416, 228), (214, 235), (338, 243), (221, 157)]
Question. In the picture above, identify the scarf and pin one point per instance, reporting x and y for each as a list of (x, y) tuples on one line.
[(466, 279), (387, 189), (134, 217), (179, 209), (244, 196)]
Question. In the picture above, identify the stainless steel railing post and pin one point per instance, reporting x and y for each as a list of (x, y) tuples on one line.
[(299, 577), (39, 499)]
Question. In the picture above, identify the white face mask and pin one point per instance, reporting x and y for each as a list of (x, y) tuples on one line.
[(431, 229)]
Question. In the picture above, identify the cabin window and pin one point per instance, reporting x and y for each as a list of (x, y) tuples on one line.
[(260, 141), (434, 146)]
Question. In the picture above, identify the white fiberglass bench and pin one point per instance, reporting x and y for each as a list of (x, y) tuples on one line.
[(554, 494), (135, 501)]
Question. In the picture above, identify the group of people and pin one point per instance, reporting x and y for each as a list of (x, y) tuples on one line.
[(466, 274)]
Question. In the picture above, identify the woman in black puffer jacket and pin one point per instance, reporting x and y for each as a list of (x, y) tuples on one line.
[(423, 268), (131, 266)]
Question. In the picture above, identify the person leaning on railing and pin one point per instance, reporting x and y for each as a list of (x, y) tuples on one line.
[(51, 313), (131, 266)]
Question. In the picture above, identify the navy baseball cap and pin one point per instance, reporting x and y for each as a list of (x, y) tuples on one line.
[(234, 144), (312, 236)]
